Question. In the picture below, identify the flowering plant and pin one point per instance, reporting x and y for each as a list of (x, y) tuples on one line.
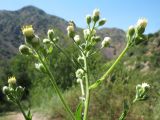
[(86, 45)]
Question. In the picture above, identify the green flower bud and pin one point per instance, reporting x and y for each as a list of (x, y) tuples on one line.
[(35, 42), (5, 90), (96, 15), (102, 22), (131, 30), (40, 67), (56, 39), (46, 41), (141, 91), (95, 39), (19, 91), (88, 19), (24, 50), (79, 73), (106, 42), (51, 34)]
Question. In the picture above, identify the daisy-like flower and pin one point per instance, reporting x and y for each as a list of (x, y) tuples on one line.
[(70, 28), (142, 22), (28, 31), (106, 42), (96, 12), (12, 80), (145, 85)]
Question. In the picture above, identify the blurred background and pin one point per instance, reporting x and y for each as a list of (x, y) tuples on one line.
[(141, 64)]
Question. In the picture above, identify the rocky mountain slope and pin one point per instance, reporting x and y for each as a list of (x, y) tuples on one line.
[(12, 21)]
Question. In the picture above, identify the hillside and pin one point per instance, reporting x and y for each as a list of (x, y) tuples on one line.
[(12, 21)]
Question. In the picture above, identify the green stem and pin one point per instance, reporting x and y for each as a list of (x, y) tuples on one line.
[(87, 99), (20, 107), (125, 112), (99, 81), (52, 80)]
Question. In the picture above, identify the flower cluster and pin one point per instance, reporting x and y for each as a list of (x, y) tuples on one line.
[(90, 38), (141, 92), (135, 33), (12, 91)]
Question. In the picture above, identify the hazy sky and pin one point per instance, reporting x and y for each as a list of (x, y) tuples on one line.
[(119, 13)]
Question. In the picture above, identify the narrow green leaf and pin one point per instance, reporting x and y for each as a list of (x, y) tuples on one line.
[(78, 113)]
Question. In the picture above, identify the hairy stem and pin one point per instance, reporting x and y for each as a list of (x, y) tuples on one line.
[(20, 107), (87, 99)]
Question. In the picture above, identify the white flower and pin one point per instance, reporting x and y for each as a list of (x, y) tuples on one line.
[(106, 42), (145, 85), (130, 27), (70, 28), (142, 22), (77, 38), (96, 12), (86, 32)]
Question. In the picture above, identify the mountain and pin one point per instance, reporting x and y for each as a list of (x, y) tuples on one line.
[(12, 21)]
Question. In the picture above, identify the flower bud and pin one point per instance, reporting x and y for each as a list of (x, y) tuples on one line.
[(56, 39), (96, 15), (20, 90), (28, 31), (12, 81), (102, 22), (141, 91), (46, 41), (79, 73), (141, 25), (145, 86), (24, 50), (79, 80), (95, 39), (131, 30), (106, 42), (77, 39), (88, 19), (51, 34), (40, 67), (86, 32), (70, 30), (35, 42), (5, 90)]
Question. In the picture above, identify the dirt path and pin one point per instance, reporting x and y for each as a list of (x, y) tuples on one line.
[(19, 116)]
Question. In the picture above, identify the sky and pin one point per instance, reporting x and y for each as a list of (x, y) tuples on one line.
[(119, 13)]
